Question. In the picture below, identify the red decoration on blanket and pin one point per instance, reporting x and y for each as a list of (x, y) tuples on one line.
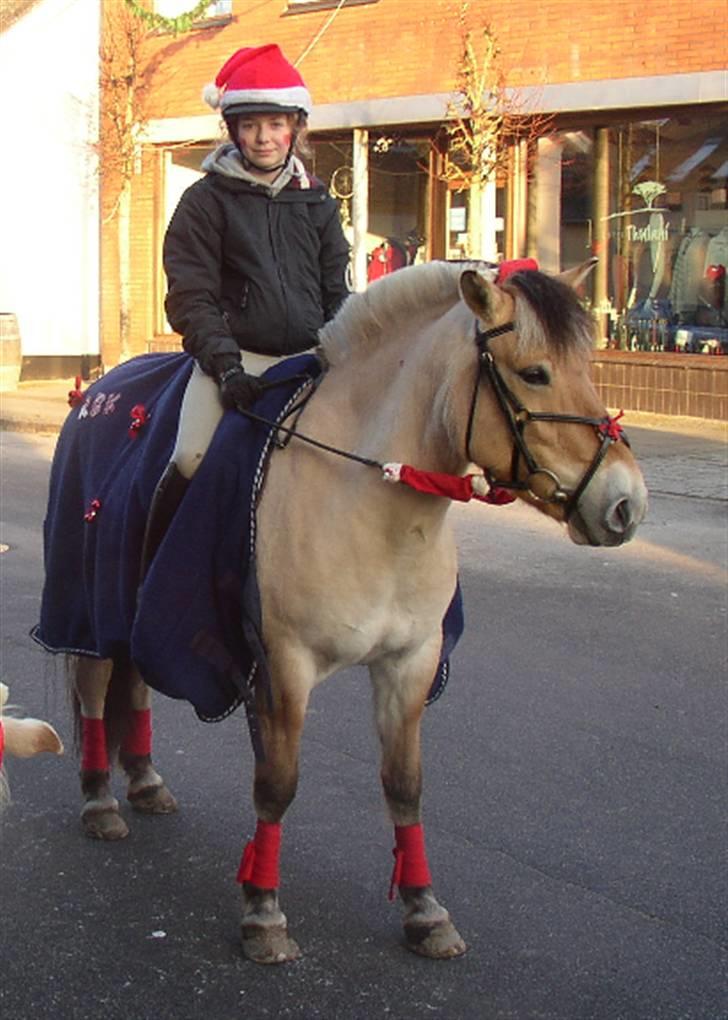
[(94, 757), (410, 860), (611, 427), (138, 738), (460, 487), (75, 396), (93, 509), (139, 419), (506, 269), (259, 863)]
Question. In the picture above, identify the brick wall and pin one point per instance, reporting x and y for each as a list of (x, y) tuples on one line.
[(690, 384), (410, 47)]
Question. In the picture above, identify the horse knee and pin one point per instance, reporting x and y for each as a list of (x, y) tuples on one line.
[(403, 791), (273, 794)]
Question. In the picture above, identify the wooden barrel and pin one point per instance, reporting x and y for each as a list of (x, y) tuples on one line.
[(10, 353)]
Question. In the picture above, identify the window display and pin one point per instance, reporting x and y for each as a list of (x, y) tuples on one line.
[(661, 223)]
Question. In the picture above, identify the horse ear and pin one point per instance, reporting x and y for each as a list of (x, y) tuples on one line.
[(481, 296), (573, 277)]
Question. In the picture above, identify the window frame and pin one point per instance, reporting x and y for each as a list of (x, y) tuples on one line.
[(306, 6)]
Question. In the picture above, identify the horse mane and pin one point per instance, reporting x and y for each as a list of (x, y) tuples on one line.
[(389, 304), (547, 310)]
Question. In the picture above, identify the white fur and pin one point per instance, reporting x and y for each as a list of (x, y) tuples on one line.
[(211, 95), (23, 739)]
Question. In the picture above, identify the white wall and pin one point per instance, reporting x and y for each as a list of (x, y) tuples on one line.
[(49, 218)]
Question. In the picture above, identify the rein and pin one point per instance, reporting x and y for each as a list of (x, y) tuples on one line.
[(518, 416), (608, 431), (291, 432)]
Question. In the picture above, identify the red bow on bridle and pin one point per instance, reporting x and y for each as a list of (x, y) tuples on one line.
[(611, 428)]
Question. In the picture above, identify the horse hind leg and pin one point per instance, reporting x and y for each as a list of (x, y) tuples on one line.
[(100, 815), (113, 719), (399, 699), (147, 792)]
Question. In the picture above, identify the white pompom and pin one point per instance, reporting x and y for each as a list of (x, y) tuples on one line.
[(480, 486), (391, 472), (211, 95)]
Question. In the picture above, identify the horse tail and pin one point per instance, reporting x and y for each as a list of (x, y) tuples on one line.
[(117, 705)]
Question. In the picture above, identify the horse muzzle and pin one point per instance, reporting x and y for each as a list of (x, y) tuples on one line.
[(611, 509)]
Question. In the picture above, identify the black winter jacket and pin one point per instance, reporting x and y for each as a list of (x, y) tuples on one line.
[(250, 271)]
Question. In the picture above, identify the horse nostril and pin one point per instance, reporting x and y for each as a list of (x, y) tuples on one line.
[(622, 515)]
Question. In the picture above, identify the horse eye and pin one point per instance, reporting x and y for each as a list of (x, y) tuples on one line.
[(535, 375)]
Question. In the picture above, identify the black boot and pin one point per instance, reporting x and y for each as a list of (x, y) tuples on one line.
[(171, 487)]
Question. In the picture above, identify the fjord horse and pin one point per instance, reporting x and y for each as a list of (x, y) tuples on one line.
[(442, 368)]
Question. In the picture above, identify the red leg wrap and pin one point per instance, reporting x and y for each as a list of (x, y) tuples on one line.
[(93, 746), (410, 860), (259, 864), (138, 739)]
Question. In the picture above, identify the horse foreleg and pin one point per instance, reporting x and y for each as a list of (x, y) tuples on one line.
[(147, 791), (264, 928), (100, 814), (399, 702)]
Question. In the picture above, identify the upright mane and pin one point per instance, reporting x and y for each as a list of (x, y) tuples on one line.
[(548, 311), (389, 304)]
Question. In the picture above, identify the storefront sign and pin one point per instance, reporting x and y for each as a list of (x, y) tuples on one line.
[(648, 191), (652, 232)]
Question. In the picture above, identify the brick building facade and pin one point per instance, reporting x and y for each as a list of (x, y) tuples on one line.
[(637, 94)]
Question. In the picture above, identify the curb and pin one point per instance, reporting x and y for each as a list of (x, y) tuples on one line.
[(29, 427)]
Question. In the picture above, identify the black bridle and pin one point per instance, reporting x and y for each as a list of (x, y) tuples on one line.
[(517, 417)]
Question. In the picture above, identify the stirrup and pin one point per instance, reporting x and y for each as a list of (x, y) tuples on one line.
[(167, 497)]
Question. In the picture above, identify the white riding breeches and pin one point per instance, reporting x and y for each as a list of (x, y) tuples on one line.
[(202, 410)]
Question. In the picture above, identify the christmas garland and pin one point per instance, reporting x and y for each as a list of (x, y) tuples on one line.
[(182, 23)]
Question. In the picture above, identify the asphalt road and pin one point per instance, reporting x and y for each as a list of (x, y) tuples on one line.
[(575, 781)]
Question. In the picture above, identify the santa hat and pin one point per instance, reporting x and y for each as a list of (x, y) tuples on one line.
[(258, 79)]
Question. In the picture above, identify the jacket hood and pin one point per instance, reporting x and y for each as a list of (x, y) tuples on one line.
[(226, 161)]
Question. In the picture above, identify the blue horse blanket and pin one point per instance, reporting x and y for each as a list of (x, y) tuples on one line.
[(193, 626)]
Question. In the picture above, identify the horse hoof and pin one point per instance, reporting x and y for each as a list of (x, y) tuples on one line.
[(263, 944), (103, 821), (437, 942), (152, 800)]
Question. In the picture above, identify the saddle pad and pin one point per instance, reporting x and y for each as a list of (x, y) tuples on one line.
[(193, 627)]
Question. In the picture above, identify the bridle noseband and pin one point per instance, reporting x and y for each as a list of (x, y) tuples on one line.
[(517, 417)]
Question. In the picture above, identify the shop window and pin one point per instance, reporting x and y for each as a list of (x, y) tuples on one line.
[(398, 190), (577, 196), (651, 198), (669, 234)]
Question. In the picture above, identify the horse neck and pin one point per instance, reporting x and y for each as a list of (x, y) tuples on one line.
[(398, 397)]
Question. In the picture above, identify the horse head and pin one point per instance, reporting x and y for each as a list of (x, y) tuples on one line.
[(554, 444)]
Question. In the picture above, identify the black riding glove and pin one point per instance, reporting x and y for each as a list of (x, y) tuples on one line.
[(239, 390)]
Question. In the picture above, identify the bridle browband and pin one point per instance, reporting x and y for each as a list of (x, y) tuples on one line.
[(518, 416)]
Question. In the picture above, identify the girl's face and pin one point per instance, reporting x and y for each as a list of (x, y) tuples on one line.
[(265, 138)]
